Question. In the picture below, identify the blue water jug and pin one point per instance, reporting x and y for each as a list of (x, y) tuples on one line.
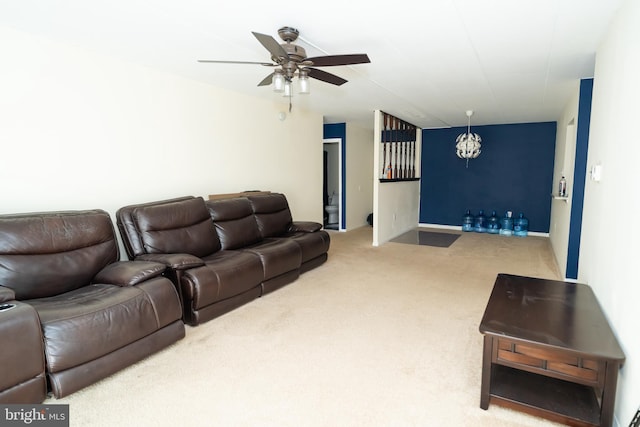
[(493, 223), (521, 226), (506, 224), (480, 223), (467, 221)]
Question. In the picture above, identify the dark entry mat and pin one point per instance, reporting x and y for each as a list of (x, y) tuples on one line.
[(427, 238)]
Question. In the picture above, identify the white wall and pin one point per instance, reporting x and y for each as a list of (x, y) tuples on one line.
[(359, 175), (396, 205), (610, 234), (84, 131), (564, 165), (397, 210)]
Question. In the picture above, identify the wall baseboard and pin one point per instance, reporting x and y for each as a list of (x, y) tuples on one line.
[(457, 228)]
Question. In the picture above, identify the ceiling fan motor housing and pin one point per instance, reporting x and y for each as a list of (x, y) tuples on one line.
[(288, 34), (296, 53)]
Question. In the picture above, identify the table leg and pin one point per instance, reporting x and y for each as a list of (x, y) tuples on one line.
[(485, 388), (609, 394)]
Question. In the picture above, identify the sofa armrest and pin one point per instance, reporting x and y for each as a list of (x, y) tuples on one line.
[(304, 226), (174, 261), (129, 273), (6, 294)]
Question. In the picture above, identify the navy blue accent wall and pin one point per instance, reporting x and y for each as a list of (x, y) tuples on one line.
[(339, 130), (514, 172), (579, 176), (335, 130)]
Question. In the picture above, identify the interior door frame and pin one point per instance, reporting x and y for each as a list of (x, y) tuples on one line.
[(341, 199)]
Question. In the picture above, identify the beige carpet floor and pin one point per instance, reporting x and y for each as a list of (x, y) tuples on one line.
[(384, 336)]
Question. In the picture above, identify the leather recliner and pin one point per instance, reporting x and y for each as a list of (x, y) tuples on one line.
[(179, 233), (97, 314)]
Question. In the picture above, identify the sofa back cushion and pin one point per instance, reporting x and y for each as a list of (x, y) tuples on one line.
[(49, 253), (171, 226), (272, 214), (234, 222)]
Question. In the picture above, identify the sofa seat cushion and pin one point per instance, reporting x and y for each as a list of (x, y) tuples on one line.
[(278, 256), (89, 322), (312, 244), (224, 275)]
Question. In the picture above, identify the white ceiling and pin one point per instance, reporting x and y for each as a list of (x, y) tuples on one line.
[(511, 61)]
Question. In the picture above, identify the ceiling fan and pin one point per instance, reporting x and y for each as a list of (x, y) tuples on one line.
[(292, 61)]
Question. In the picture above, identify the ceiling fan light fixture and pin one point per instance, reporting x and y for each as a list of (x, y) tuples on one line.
[(278, 81), (287, 88), (305, 88)]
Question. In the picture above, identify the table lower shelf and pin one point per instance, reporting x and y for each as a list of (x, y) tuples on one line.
[(545, 396)]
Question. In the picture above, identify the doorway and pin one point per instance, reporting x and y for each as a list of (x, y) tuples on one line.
[(332, 202)]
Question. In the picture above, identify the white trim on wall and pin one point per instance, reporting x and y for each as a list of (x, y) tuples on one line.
[(340, 179), (458, 228)]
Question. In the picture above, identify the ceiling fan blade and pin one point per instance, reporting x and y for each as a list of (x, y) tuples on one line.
[(267, 80), (271, 45), (325, 77), (266, 64), (331, 60)]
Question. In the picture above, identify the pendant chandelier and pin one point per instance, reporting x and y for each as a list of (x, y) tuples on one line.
[(468, 144)]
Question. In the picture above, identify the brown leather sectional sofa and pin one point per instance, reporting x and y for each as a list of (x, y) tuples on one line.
[(223, 253), (71, 313)]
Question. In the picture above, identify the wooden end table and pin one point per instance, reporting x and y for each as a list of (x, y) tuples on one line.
[(549, 351)]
